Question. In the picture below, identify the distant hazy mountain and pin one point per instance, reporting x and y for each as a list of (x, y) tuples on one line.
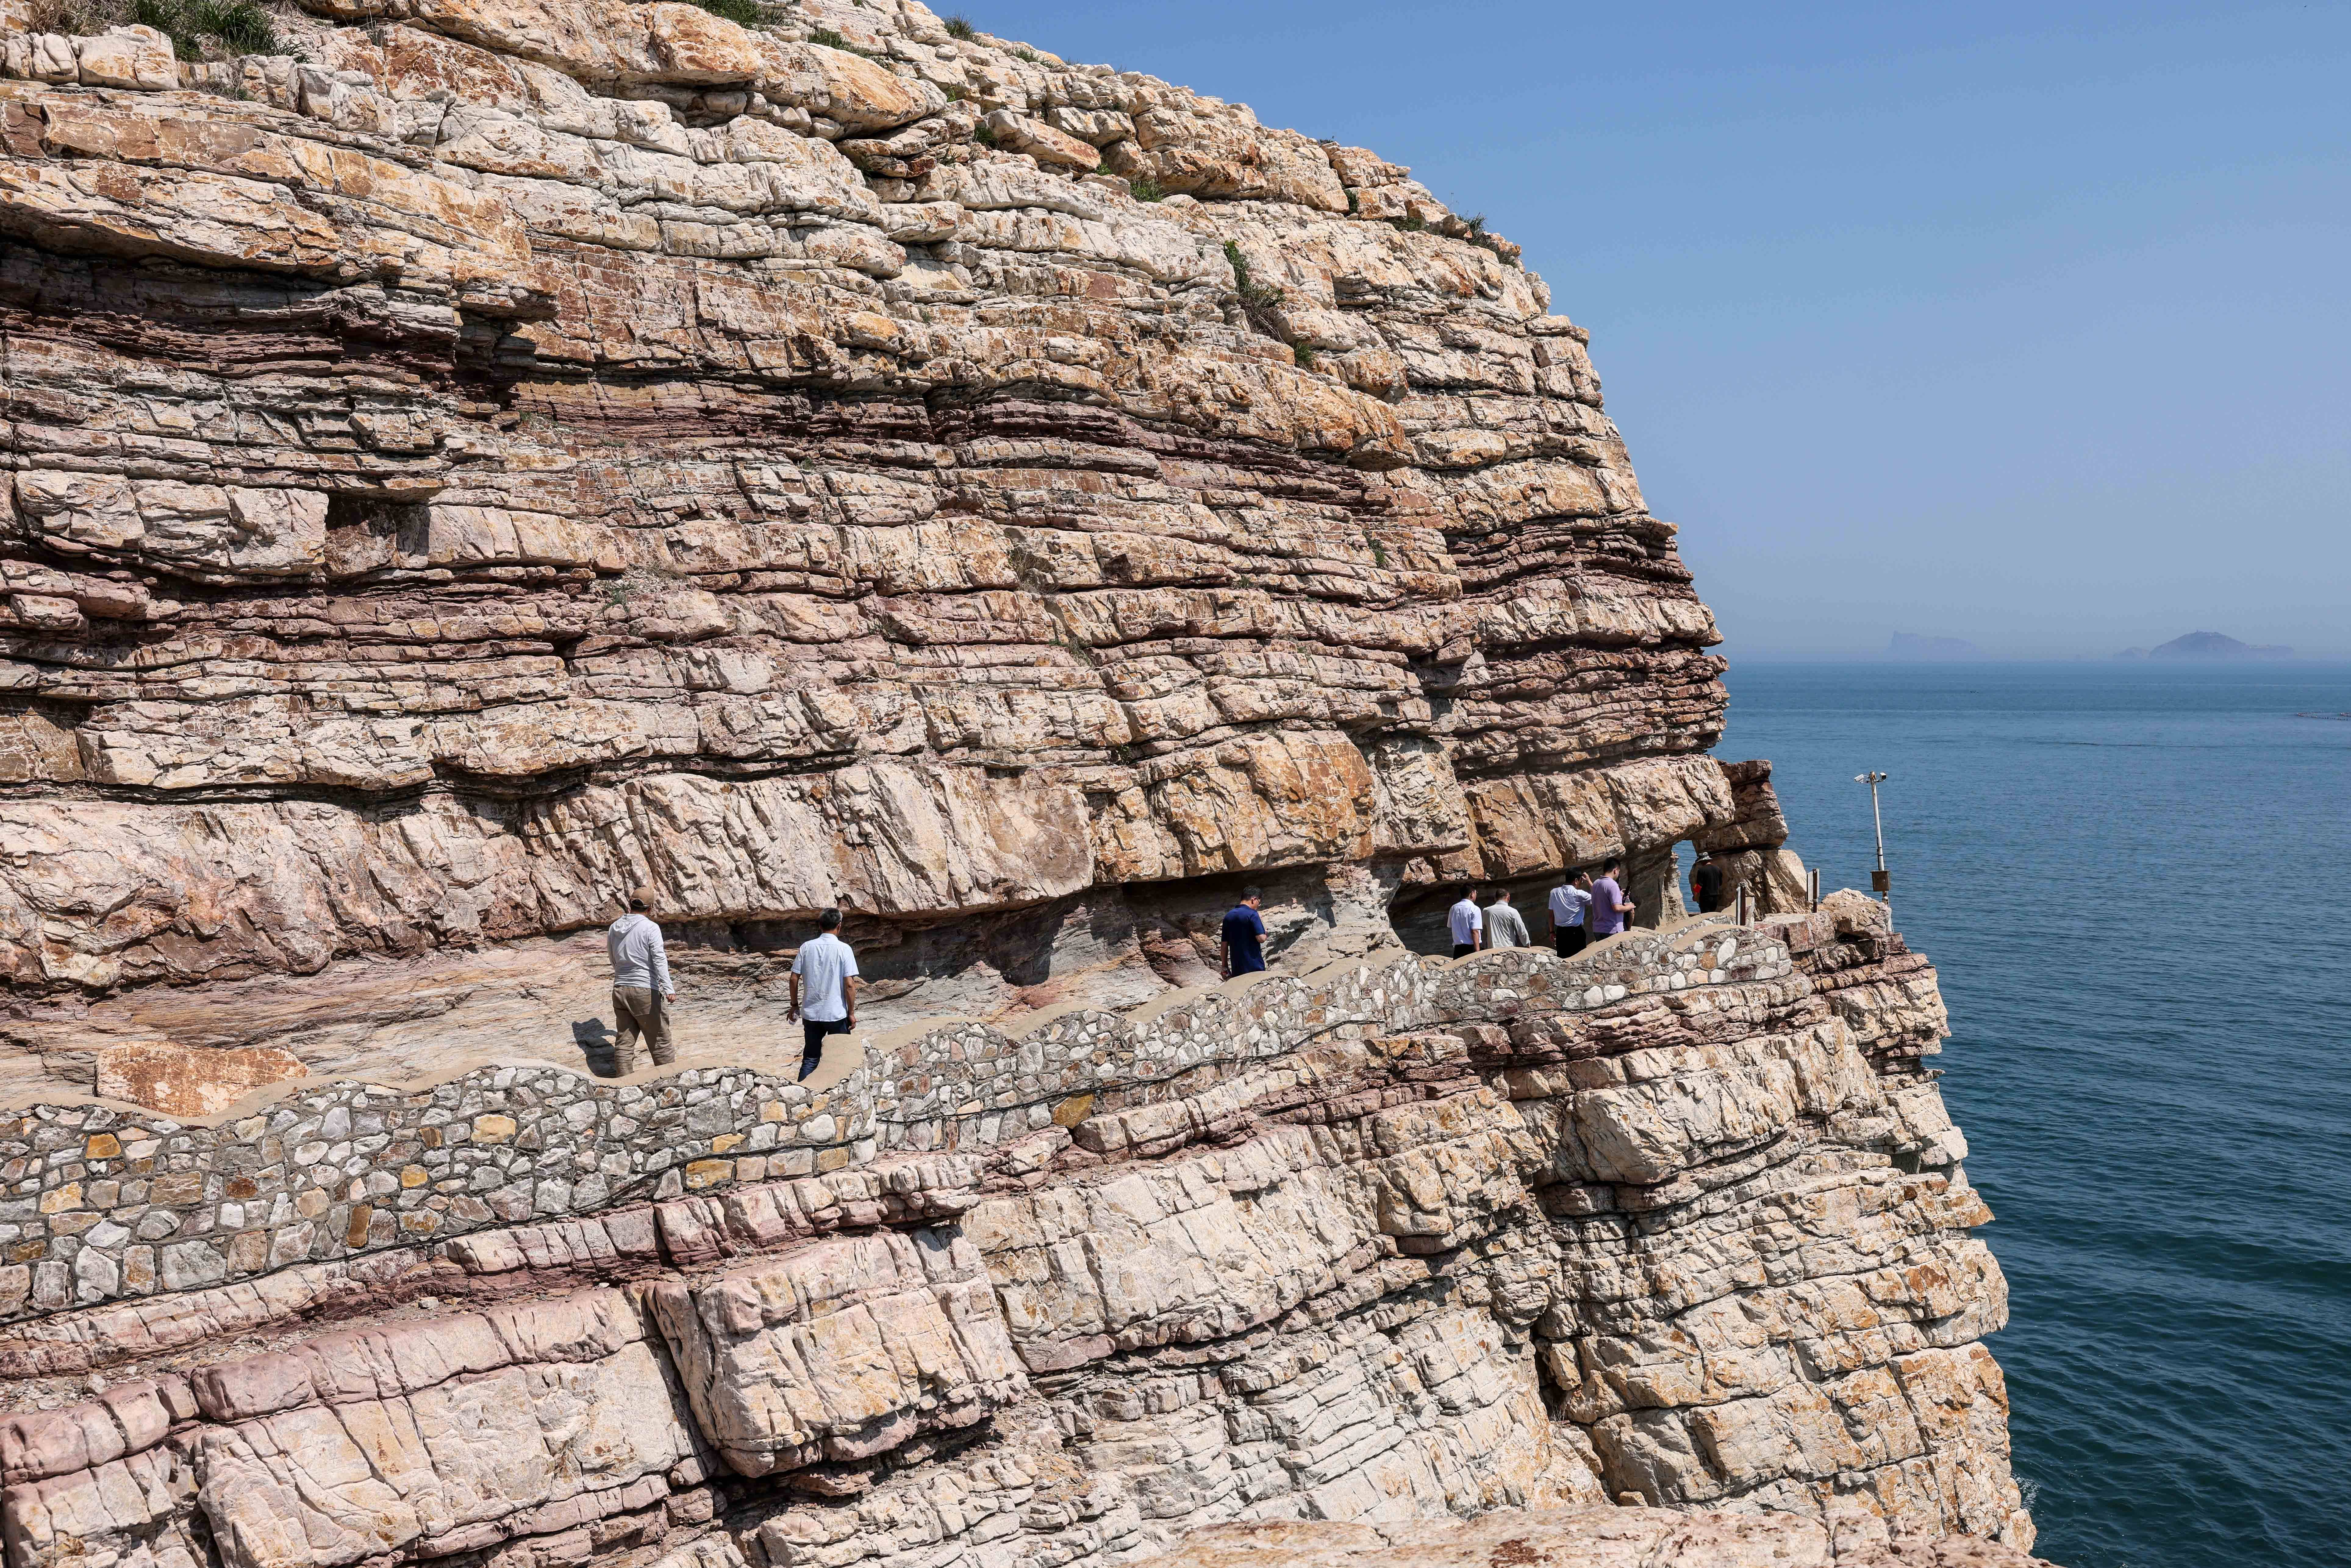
[(1910, 645), (2206, 645)]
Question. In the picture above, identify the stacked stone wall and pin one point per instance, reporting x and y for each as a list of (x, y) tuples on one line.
[(105, 1201)]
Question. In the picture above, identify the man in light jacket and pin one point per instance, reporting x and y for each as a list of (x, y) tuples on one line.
[(1505, 927), (640, 988), (1569, 900)]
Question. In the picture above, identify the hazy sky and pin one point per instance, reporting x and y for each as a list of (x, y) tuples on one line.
[(2026, 324)]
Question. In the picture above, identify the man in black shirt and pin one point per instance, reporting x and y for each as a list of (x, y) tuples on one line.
[(1706, 883)]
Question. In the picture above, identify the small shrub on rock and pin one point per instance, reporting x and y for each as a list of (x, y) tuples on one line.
[(743, 13), (229, 26)]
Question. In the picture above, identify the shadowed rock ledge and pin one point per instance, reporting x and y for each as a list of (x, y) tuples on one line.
[(495, 453)]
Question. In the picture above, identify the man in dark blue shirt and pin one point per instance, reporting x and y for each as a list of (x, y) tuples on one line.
[(1244, 941)]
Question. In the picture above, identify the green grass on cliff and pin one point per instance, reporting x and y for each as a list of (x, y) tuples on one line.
[(232, 26)]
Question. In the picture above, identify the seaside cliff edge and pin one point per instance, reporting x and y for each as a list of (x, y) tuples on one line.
[(479, 456)]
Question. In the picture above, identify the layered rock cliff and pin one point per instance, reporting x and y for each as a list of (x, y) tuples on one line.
[(510, 452), (1678, 1222), (488, 455)]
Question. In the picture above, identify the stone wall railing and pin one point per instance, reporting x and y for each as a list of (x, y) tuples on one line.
[(103, 1201)]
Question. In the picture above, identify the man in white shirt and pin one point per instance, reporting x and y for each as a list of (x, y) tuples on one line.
[(1569, 900), (1468, 924), (640, 986), (1506, 927), (829, 971)]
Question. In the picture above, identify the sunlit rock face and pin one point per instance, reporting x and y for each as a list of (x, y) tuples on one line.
[(1674, 1233), (490, 457)]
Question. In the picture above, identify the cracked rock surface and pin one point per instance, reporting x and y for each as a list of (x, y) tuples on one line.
[(1673, 1235), (512, 451), (494, 454)]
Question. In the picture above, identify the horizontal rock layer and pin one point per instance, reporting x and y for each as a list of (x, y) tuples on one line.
[(500, 454), (1580, 1538)]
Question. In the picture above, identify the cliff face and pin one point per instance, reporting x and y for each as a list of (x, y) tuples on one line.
[(522, 450), (529, 449), (1675, 1223)]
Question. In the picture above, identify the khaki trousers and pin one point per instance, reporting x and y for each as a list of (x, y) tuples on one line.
[(637, 1010)]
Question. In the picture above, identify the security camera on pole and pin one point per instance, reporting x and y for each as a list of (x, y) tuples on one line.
[(1879, 882)]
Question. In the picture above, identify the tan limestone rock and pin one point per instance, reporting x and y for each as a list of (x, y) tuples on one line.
[(1587, 1538), (190, 1083), (842, 1351), (522, 451)]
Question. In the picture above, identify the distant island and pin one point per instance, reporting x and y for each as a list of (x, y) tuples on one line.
[(1910, 645), (2206, 645)]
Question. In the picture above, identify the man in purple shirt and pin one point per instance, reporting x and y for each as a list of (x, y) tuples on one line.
[(1609, 911)]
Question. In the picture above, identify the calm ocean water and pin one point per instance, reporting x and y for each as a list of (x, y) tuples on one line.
[(2135, 881)]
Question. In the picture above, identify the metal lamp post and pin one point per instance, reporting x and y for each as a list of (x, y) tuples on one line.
[(1879, 882)]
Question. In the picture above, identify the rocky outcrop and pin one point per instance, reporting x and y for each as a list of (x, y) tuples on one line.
[(494, 454), (499, 454), (1588, 1538), (1679, 1223)]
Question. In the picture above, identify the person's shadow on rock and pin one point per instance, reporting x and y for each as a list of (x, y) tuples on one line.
[(599, 1046)]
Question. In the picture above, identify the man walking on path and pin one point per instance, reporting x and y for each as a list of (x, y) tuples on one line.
[(1507, 925), (1243, 944), (829, 970), (640, 988), (1706, 883), (1569, 900), (1468, 924), (1609, 911)]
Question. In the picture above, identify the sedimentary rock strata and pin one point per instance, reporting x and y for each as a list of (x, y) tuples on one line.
[(1670, 1224), (488, 457), (1578, 1538)]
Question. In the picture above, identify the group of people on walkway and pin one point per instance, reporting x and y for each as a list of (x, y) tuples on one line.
[(823, 982), (824, 977), (1582, 909)]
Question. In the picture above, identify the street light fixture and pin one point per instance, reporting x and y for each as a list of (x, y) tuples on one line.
[(1879, 882)]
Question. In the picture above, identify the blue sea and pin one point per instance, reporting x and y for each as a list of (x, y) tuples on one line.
[(2135, 881)]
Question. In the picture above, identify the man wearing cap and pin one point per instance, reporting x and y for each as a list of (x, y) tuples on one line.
[(828, 970), (1706, 883), (640, 988)]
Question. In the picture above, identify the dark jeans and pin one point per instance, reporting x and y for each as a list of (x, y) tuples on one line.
[(812, 1041), (1463, 949), (1568, 940)]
